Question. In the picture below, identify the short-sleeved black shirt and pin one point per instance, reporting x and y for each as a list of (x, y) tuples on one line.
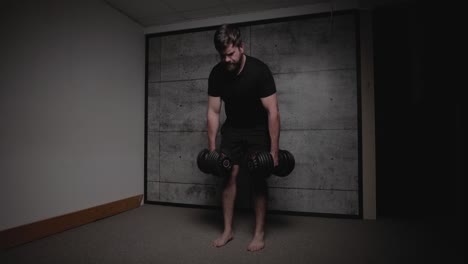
[(241, 93)]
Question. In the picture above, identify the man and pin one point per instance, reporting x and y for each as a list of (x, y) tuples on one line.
[(246, 86)]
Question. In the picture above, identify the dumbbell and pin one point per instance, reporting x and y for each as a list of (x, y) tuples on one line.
[(214, 162), (262, 162)]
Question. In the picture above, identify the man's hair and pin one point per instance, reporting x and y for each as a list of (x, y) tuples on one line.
[(225, 35)]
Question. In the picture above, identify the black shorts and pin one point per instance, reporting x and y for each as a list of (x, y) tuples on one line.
[(238, 142)]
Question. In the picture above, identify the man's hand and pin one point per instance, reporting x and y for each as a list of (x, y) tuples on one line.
[(274, 154)]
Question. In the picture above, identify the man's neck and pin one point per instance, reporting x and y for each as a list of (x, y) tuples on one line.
[(242, 65)]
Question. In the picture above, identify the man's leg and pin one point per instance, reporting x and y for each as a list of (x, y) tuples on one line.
[(260, 203), (259, 141), (229, 197)]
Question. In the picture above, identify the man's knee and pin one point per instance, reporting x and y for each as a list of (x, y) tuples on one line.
[(232, 178)]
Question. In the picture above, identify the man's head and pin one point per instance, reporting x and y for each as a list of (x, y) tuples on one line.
[(228, 43)]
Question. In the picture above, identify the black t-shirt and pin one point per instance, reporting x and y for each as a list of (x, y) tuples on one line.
[(241, 93)]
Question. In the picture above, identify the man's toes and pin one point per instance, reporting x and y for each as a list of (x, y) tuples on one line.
[(221, 241), (218, 243), (255, 246)]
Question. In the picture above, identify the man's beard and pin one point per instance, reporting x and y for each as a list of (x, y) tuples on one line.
[(233, 67)]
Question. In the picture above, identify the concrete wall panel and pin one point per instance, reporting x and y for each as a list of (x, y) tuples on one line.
[(318, 201), (325, 159), (154, 60), (318, 100), (152, 158), (200, 194), (178, 157), (184, 105), (152, 191), (154, 98), (178, 154), (190, 194), (306, 45)]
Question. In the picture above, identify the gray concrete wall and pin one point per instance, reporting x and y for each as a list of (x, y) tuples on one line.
[(313, 62)]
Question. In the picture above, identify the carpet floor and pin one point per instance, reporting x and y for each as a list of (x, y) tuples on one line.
[(166, 234)]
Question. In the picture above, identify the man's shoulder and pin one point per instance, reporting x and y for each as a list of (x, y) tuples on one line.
[(257, 64), (256, 61), (217, 67), (216, 70)]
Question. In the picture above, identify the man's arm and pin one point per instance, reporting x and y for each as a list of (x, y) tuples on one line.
[(214, 108), (271, 105)]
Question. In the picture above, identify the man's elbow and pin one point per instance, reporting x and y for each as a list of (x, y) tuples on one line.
[(212, 115), (274, 117), (273, 113)]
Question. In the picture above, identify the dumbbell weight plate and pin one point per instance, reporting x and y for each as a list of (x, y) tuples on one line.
[(208, 161), (291, 162), (260, 161), (255, 161), (266, 162), (284, 167), (275, 169), (280, 170), (280, 163), (202, 161), (213, 162), (272, 162), (250, 163), (287, 165)]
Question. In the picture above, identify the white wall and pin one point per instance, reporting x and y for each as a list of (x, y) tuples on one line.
[(71, 108)]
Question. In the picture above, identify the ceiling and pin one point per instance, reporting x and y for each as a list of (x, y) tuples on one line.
[(164, 12)]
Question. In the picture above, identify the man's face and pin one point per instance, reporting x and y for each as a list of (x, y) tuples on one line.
[(232, 57)]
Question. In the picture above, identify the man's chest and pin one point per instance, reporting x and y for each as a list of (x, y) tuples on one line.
[(239, 90)]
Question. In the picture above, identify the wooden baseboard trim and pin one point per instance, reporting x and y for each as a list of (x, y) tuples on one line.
[(29, 232)]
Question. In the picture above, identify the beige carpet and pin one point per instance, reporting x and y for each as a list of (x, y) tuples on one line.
[(165, 234)]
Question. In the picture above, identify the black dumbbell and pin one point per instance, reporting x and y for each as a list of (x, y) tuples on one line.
[(262, 162), (213, 162)]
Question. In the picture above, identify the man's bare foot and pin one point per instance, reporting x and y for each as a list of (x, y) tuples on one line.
[(257, 243), (223, 239)]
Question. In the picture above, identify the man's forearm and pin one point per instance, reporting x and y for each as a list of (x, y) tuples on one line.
[(213, 125), (274, 128)]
